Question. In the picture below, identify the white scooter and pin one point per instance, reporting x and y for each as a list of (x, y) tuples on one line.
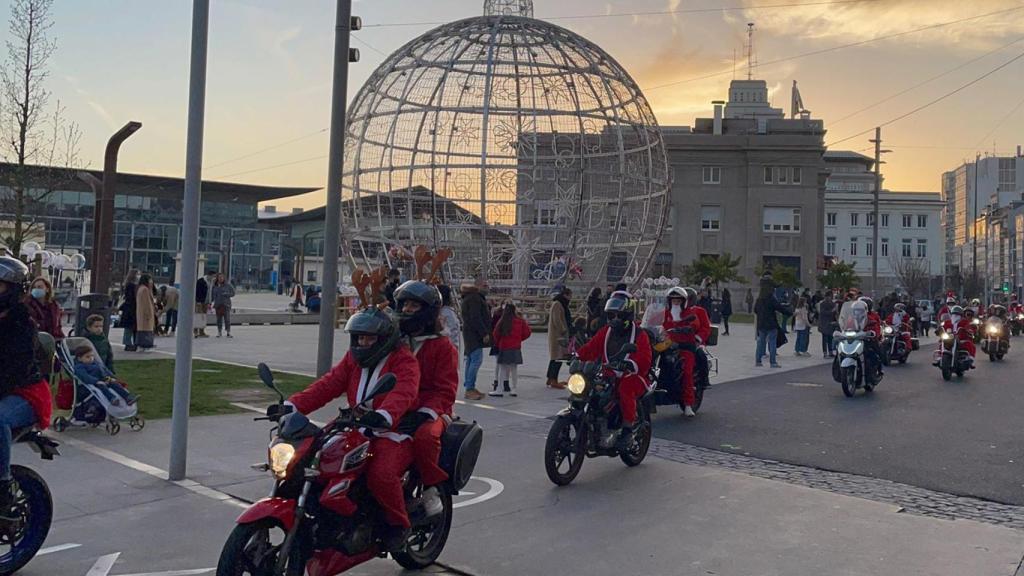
[(849, 367)]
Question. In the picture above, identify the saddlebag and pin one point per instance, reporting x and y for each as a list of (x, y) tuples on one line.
[(915, 344), (460, 447), (713, 339)]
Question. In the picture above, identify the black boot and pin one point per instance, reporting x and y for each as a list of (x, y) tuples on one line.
[(394, 538), (625, 440), (8, 497)]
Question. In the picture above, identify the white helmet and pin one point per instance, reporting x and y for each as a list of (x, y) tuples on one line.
[(859, 311)]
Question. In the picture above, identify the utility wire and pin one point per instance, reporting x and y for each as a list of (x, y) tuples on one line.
[(368, 45), (999, 124), (267, 149), (922, 83), (282, 165), (651, 13), (934, 101), (840, 47)]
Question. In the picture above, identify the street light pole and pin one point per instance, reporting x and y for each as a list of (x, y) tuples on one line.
[(103, 218), (344, 24), (878, 188), (189, 237)]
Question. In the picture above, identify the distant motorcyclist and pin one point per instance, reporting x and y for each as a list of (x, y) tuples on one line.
[(945, 311), (959, 325), (900, 321), (977, 308), (872, 323), (621, 329), (688, 325)]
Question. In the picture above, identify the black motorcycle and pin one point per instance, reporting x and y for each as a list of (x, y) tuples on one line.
[(591, 424), (24, 527), (995, 338), (951, 357), (667, 372), (894, 348)]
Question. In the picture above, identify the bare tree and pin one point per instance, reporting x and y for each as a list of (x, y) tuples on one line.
[(914, 274), (37, 141)]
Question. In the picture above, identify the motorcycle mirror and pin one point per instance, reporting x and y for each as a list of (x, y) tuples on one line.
[(268, 379), (575, 367)]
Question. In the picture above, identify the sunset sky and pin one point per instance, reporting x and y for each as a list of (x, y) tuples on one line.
[(270, 73)]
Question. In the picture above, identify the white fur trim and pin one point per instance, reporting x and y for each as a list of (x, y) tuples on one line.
[(428, 412)]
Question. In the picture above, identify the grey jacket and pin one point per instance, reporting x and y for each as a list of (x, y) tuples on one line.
[(222, 295)]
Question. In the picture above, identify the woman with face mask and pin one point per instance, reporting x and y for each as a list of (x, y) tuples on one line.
[(43, 310)]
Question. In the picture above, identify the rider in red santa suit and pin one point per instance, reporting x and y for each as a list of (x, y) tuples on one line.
[(960, 326), (686, 324), (419, 308), (945, 310), (900, 320), (620, 330), (376, 350)]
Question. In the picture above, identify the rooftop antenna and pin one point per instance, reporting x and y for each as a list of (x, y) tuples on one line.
[(733, 63), (750, 50)]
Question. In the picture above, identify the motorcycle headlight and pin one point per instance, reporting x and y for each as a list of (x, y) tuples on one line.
[(281, 455), (993, 330), (576, 384), (975, 321), (887, 330), (850, 334), (946, 336)]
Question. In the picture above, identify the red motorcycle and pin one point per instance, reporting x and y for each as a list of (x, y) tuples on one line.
[(320, 519)]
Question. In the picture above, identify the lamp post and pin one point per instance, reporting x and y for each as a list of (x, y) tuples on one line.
[(103, 229), (878, 189)]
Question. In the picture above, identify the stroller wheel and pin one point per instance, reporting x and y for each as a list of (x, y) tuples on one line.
[(137, 423), (112, 427), (60, 424)]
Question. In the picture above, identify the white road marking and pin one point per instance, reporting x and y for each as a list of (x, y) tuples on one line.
[(103, 566), (127, 462), (54, 549), (174, 572), (494, 489), (805, 385)]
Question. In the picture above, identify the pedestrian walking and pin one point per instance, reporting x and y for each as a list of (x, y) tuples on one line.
[(170, 297), (128, 309), (508, 337), (750, 301), (767, 308), (726, 308), (802, 326), (827, 325), (476, 334), (595, 312), (559, 322), (145, 313), (201, 305), (222, 293)]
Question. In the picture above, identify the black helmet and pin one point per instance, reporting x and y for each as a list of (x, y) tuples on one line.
[(868, 302), (14, 273), (619, 310), (378, 323), (424, 321)]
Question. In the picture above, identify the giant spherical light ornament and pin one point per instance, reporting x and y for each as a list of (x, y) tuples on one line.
[(519, 145)]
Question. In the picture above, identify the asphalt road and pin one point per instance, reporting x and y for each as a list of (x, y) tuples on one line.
[(962, 437)]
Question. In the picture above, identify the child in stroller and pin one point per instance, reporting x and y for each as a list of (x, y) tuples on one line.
[(92, 372), (94, 397)]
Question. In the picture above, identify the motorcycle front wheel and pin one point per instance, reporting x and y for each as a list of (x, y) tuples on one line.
[(252, 550), (22, 538), (566, 445), (850, 381), (947, 372), (641, 440), (426, 541)]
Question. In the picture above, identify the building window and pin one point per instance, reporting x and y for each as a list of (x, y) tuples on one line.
[(797, 175), (310, 275), (906, 248), (781, 176), (712, 174), (922, 248), (780, 219), (662, 265), (854, 219), (907, 220), (870, 216), (710, 218), (831, 218), (869, 248), (853, 246), (830, 246), (885, 220), (768, 175), (885, 247), (922, 220)]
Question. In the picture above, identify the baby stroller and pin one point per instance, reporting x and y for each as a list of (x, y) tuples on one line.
[(88, 405)]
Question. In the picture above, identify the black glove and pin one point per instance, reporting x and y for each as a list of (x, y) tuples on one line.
[(374, 420), (411, 422), (687, 329), (276, 411)]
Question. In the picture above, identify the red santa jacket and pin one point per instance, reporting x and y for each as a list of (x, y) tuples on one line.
[(514, 339), (904, 322), (694, 317), (874, 324), (354, 382), (597, 349), (964, 325), (439, 375)]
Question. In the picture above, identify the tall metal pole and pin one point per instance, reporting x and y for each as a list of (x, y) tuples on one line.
[(189, 237), (878, 188), (332, 220), (103, 219), (974, 224)]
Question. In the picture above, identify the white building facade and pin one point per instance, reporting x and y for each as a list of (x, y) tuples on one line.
[(910, 232)]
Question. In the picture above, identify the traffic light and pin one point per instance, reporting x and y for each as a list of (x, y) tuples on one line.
[(1006, 287)]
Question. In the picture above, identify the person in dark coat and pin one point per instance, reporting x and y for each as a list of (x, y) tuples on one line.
[(767, 308), (595, 312), (726, 309), (128, 309), (827, 324), (476, 333), (394, 279), (202, 301)]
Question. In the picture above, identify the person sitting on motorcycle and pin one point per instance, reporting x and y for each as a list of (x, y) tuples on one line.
[(24, 394), (977, 308), (620, 330), (686, 324), (900, 321), (870, 322), (959, 325), (376, 349), (1015, 307), (944, 312), (419, 308)]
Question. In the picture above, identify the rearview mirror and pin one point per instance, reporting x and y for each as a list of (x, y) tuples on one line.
[(268, 379)]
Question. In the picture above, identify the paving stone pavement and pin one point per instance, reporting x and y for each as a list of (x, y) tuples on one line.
[(910, 499)]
